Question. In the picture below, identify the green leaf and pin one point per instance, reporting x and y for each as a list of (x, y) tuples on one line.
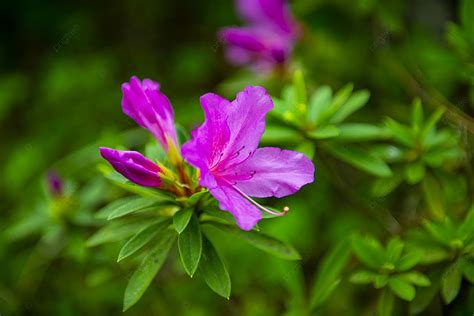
[(196, 197), (263, 242), (466, 230), (385, 303), (213, 269), (356, 101), (380, 281), (147, 270), (115, 231), (451, 283), (360, 159), (402, 288), (401, 133), (329, 273), (104, 212), (299, 86), (394, 249), (415, 278), (190, 246), (417, 115), (362, 277), (318, 103), (415, 172), (431, 122), (361, 132), (323, 132), (339, 99), (307, 147), (383, 186), (280, 134), (433, 195), (140, 239), (181, 219), (134, 205), (408, 261), (425, 295), (369, 251), (467, 267)]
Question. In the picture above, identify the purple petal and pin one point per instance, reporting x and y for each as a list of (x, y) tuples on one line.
[(272, 172), (245, 38), (231, 131), (209, 140), (151, 109), (133, 166), (245, 214), (270, 13)]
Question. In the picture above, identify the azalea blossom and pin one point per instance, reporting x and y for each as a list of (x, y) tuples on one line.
[(268, 38), (224, 149), (150, 108), (133, 166)]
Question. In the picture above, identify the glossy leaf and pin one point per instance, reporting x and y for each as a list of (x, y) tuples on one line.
[(451, 283), (213, 269), (140, 239), (148, 268), (319, 102), (402, 288), (181, 219), (190, 246), (356, 101)]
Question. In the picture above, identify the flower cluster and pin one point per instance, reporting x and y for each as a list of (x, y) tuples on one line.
[(223, 149), (268, 38)]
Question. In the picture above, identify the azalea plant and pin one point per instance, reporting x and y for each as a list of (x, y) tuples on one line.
[(180, 198), (143, 213)]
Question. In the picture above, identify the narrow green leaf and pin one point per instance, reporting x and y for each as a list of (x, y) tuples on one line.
[(417, 115), (324, 132), (362, 277), (416, 278), (300, 87), (196, 197), (385, 303), (408, 261), (280, 134), (307, 147), (140, 239), (360, 159), (402, 288), (181, 219), (401, 133), (356, 101), (190, 246), (115, 231), (466, 230), (134, 205), (394, 249), (369, 251), (431, 122), (319, 102), (263, 242), (433, 195), (329, 273), (451, 283), (339, 99), (361, 132), (213, 269), (147, 269), (104, 212), (467, 268), (424, 295)]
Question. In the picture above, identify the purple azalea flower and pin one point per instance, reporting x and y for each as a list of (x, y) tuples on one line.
[(133, 166), (151, 109), (267, 40), (224, 149)]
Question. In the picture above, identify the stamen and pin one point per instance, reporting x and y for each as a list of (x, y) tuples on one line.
[(286, 209)]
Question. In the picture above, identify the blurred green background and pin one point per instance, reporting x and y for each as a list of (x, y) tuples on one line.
[(62, 64)]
